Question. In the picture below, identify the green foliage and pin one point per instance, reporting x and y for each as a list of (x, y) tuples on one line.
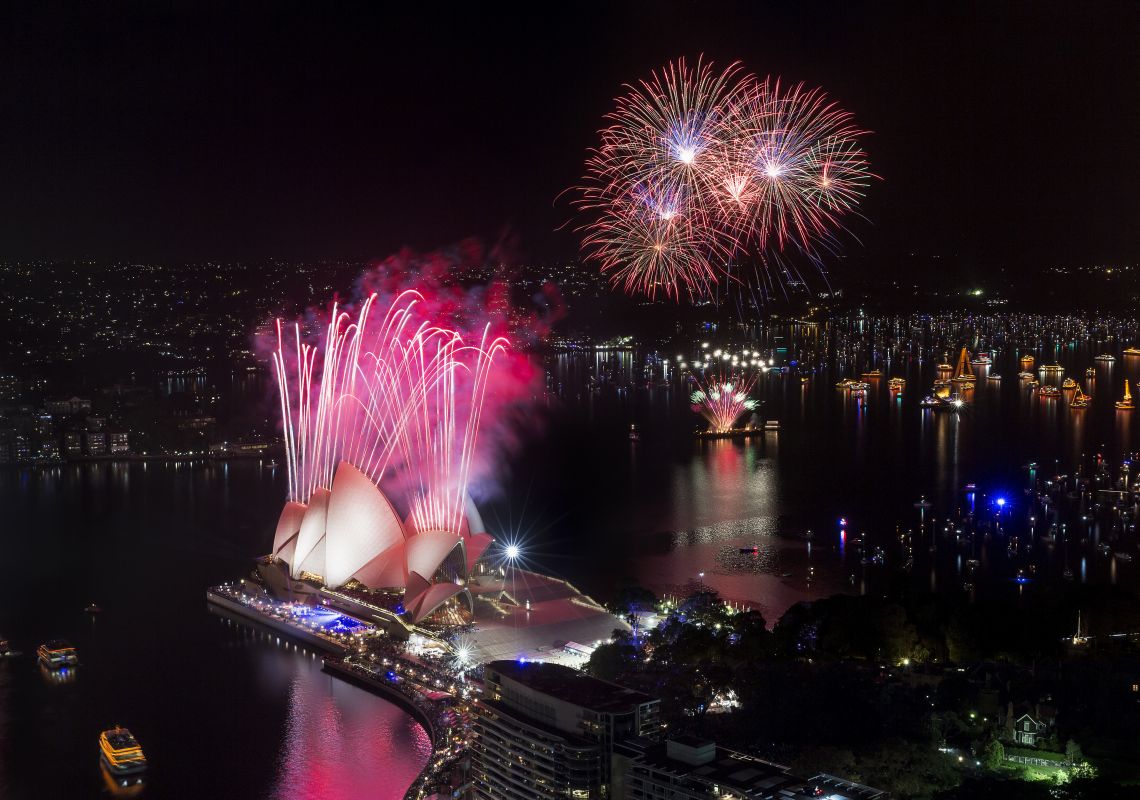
[(994, 755)]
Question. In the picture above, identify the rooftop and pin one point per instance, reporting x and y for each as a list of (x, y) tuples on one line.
[(565, 683)]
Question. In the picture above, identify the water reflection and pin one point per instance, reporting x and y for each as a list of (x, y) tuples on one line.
[(336, 743)]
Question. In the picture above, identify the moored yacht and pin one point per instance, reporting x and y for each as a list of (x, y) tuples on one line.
[(1125, 403)]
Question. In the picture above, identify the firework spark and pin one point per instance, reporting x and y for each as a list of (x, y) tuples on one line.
[(397, 392), (698, 171), (722, 400)]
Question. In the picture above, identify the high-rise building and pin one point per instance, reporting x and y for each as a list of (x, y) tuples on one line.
[(547, 732)]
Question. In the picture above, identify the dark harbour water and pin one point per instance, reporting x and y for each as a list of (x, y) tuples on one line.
[(221, 710), (224, 711)]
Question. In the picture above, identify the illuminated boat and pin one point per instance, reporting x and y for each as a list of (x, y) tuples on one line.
[(982, 360), (944, 367), (1052, 369), (995, 377), (875, 373), (963, 373), (1068, 384), (1025, 376), (941, 389), (1132, 351), (57, 653), (120, 753), (929, 402), (896, 384), (1080, 399), (1125, 403), (1049, 392), (1105, 358), (1090, 372), (846, 383), (1031, 384), (859, 388), (1026, 362)]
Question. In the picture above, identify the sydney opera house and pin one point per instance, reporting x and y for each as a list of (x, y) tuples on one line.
[(352, 535)]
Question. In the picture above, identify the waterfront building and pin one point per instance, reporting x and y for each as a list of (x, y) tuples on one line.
[(688, 768), (547, 731)]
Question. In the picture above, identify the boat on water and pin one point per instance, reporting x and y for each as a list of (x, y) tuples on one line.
[(859, 387), (1132, 351), (995, 377), (982, 360), (1025, 376), (962, 372), (1090, 372), (929, 401), (875, 373), (897, 383), (1105, 358), (1052, 369), (120, 752), (58, 653), (633, 434), (1068, 384), (1026, 362), (942, 389), (1125, 403), (1031, 384), (1080, 399), (1047, 392), (846, 383), (1121, 556), (945, 366)]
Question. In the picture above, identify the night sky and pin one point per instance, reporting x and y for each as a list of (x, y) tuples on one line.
[(251, 130)]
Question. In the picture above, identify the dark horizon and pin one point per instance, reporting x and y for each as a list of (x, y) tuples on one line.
[(248, 132)]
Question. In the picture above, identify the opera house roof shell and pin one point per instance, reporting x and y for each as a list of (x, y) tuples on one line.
[(352, 532)]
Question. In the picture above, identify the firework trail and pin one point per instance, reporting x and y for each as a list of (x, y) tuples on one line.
[(722, 400), (698, 171), (400, 387)]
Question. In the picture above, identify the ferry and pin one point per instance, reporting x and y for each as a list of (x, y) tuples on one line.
[(1105, 358), (120, 753), (1026, 362), (58, 653), (1125, 403)]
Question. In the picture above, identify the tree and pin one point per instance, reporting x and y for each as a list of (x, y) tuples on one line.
[(994, 755), (1073, 754)]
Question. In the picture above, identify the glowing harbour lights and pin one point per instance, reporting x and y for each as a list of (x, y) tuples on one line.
[(699, 170)]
